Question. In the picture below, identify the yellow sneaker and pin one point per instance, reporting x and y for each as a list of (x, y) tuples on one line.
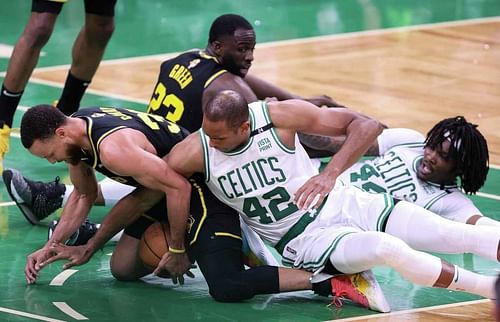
[(4, 143)]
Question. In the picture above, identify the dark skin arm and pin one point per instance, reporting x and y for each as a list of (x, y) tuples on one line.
[(360, 133), (263, 89), (74, 213), (325, 146), (126, 211), (128, 153)]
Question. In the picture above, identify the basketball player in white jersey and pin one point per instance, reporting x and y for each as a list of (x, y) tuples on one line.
[(425, 170), (254, 162)]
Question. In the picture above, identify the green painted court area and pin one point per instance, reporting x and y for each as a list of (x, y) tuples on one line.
[(154, 27)]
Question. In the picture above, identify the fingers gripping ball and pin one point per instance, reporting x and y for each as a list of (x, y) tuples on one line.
[(153, 244)]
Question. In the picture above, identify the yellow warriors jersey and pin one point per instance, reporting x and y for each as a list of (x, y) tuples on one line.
[(178, 93), (260, 178), (102, 121)]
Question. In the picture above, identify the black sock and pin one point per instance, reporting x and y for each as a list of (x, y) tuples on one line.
[(323, 288), (8, 104), (73, 91)]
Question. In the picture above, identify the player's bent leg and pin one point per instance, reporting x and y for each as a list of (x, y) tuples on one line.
[(125, 262), (90, 44), (220, 260), (359, 251), (424, 230)]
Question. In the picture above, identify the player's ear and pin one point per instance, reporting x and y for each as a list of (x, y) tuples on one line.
[(217, 46), (60, 132), (245, 126)]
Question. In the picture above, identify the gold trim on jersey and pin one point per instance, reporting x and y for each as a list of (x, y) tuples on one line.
[(204, 55), (227, 235), (100, 141), (204, 215), (214, 76)]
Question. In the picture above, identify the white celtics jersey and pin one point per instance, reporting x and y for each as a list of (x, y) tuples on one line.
[(395, 172), (260, 178)]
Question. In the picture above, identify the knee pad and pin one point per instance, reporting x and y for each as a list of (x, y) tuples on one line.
[(227, 290), (392, 251)]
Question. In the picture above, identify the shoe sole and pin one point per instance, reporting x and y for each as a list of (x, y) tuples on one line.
[(376, 293), (25, 210)]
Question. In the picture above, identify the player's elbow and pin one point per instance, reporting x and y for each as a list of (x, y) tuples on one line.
[(371, 127)]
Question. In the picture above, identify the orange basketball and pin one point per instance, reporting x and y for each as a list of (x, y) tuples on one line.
[(153, 244)]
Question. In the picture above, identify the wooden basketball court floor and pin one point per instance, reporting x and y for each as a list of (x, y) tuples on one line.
[(406, 63)]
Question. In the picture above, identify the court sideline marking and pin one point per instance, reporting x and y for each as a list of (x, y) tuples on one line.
[(65, 308), (422, 309), (29, 315), (270, 44)]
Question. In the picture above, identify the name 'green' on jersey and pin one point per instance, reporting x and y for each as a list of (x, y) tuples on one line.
[(260, 179), (179, 90)]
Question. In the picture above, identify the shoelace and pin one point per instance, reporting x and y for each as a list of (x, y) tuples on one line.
[(337, 301)]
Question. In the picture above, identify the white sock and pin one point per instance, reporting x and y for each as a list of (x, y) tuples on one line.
[(69, 190), (473, 283), (112, 191)]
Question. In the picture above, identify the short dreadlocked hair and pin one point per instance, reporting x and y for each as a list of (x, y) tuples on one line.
[(468, 148)]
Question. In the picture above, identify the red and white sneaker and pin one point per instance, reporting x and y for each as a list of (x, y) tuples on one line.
[(361, 288)]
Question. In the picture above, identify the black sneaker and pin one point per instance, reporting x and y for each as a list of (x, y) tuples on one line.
[(86, 231), (35, 199)]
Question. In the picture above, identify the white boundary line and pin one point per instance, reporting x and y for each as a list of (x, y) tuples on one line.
[(62, 277), (488, 195), (303, 40), (262, 45), (65, 308), (29, 315), (423, 309)]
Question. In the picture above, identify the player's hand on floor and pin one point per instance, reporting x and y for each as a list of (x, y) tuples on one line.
[(176, 265), (34, 263), (76, 255)]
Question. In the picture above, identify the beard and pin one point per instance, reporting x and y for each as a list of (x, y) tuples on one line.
[(75, 154), (230, 65)]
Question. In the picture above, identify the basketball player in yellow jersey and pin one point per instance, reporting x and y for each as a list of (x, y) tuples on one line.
[(253, 161)]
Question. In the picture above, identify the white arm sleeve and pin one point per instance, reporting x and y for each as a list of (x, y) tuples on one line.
[(455, 206), (393, 137)]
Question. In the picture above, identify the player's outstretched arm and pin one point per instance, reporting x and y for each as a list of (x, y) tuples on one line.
[(263, 89)]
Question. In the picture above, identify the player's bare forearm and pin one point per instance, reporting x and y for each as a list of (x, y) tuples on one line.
[(361, 133), (178, 212), (126, 211), (319, 146), (73, 215)]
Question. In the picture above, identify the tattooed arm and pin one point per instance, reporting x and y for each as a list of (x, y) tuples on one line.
[(325, 146)]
